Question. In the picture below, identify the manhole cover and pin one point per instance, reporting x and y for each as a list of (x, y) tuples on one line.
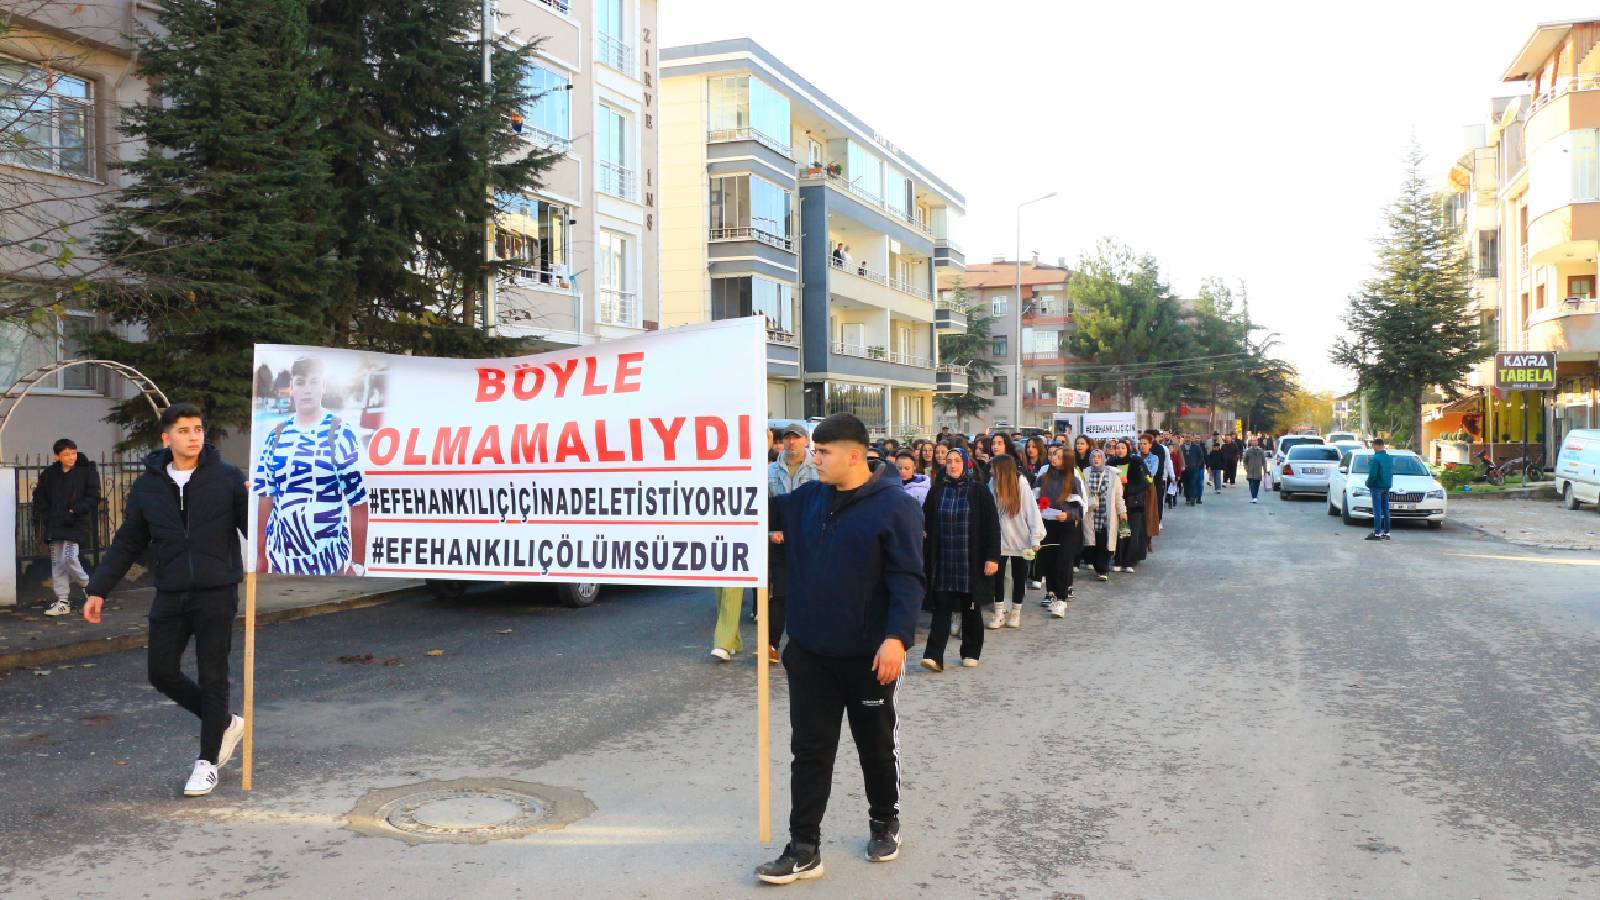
[(468, 810)]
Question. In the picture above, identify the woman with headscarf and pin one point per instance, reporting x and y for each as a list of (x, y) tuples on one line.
[(961, 554), (1061, 506), (1134, 546), (1021, 533), (1103, 513)]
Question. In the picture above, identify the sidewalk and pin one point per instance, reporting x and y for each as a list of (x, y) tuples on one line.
[(1530, 523), (30, 639)]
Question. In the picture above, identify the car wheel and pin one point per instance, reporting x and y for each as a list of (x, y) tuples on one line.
[(1436, 524), (1344, 514), (579, 595), (1332, 510), (1284, 495), (1568, 499), (443, 589)]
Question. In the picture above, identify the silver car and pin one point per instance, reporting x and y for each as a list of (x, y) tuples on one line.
[(1305, 470)]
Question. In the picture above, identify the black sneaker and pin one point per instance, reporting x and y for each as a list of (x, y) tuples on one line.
[(1374, 537), (1387, 537), (884, 844), (796, 862)]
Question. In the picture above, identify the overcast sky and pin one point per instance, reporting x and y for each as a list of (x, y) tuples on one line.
[(1258, 142)]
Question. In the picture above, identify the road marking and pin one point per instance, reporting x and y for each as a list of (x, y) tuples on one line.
[(1534, 559)]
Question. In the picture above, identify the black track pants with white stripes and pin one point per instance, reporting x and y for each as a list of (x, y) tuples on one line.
[(822, 689)]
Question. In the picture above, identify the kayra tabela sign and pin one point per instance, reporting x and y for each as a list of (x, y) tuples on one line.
[(1523, 370), (634, 461)]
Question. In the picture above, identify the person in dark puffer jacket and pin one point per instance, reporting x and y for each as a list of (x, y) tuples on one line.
[(190, 509)]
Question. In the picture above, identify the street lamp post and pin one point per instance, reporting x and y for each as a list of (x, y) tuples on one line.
[(1016, 384)]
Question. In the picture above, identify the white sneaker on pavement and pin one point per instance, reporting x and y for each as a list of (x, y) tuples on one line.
[(1058, 609), (1015, 619), (720, 655), (59, 608), (999, 617), (202, 781), (969, 663), (230, 740)]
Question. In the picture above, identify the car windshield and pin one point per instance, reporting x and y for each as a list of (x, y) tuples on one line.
[(1403, 465), (1320, 454), (1287, 443)]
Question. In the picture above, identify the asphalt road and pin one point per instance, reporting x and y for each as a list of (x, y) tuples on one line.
[(1271, 707)]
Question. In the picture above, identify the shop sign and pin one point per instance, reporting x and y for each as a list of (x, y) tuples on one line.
[(1524, 371)]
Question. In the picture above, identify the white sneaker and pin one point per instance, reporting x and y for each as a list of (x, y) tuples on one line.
[(1058, 609), (999, 617), (720, 655), (230, 740), (202, 781), (1015, 619), (59, 608), (969, 663), (1036, 585), (1254, 500)]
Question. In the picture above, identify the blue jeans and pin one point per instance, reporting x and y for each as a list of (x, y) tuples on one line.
[(1216, 480), (1255, 487), (1380, 510)]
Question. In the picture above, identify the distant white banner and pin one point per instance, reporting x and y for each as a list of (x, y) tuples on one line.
[(634, 461), (1099, 426), (1067, 398)]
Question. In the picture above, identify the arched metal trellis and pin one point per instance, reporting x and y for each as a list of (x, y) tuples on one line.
[(18, 392)]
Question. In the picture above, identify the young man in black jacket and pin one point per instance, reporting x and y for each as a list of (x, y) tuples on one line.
[(190, 509), (854, 547), (66, 500)]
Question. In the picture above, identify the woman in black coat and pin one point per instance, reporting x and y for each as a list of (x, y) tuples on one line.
[(958, 515), (1132, 549)]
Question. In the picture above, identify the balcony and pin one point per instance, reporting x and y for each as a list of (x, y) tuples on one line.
[(817, 174), (900, 359), (1570, 326), (951, 380), (860, 270), (1562, 87), (752, 234), (614, 53), (949, 316), (1046, 318), (617, 181), (730, 135), (619, 308), (947, 253), (1046, 358), (559, 6)]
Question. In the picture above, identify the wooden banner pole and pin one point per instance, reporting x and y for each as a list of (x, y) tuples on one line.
[(249, 677), (763, 725)]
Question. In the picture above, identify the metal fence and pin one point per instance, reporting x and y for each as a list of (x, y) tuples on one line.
[(116, 478)]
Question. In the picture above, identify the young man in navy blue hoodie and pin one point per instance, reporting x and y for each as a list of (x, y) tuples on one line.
[(855, 586)]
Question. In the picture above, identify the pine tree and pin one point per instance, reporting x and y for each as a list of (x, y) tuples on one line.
[(1412, 324), (968, 349), (417, 141), (1125, 317), (223, 236)]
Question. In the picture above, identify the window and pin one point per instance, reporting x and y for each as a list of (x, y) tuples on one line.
[(550, 113), (611, 44), (1580, 286), (1000, 386), (1313, 453), (1538, 297), (619, 305), (864, 401), (741, 204), (898, 193), (997, 305), (814, 154), (745, 107), (535, 233), (999, 348), (865, 172), (44, 119), (25, 348), (735, 298), (611, 140), (1489, 253)]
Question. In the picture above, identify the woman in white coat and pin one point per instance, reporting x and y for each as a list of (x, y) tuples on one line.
[(1104, 512), (1021, 530)]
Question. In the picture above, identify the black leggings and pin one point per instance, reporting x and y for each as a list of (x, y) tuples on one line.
[(1019, 579), (1060, 561)]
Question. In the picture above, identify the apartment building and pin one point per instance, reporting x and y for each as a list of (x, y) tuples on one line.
[(778, 201), (66, 72), (588, 241), (1028, 351), (1526, 192)]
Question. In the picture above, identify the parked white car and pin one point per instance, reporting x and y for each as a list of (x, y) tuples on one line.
[(1336, 437), (1415, 493), (1286, 443), (1578, 468), (1306, 470)]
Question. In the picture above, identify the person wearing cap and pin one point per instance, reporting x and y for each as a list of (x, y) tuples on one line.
[(792, 468)]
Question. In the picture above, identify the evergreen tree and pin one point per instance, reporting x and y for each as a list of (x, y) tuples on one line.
[(223, 235), (1126, 319), (969, 349), (1412, 324), (420, 147)]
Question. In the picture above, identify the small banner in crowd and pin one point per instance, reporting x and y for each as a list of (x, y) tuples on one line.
[(634, 461), (1100, 426)]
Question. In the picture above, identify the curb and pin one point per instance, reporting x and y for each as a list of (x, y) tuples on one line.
[(1539, 493), (50, 656)]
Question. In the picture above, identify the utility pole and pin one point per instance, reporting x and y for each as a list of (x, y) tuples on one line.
[(489, 315), (1016, 388)]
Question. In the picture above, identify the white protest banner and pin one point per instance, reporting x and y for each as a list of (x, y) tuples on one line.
[(1100, 426), (634, 461), (1067, 398)]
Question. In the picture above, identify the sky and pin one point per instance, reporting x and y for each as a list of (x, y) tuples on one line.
[(1255, 142)]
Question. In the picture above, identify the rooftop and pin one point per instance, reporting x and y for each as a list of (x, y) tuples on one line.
[(1004, 274), (1546, 37)]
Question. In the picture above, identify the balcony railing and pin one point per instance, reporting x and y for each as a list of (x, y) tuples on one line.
[(860, 270), (545, 139), (1563, 86), (613, 53), (752, 234), (551, 279), (777, 335), (724, 135), (839, 182), (617, 181), (557, 5), (902, 359), (910, 359), (619, 308)]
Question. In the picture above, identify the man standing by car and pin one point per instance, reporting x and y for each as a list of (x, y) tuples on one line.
[(65, 502), (854, 546), (1380, 477), (190, 509)]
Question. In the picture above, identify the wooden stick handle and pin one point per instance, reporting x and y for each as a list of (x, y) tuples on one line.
[(248, 762), (763, 725)]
